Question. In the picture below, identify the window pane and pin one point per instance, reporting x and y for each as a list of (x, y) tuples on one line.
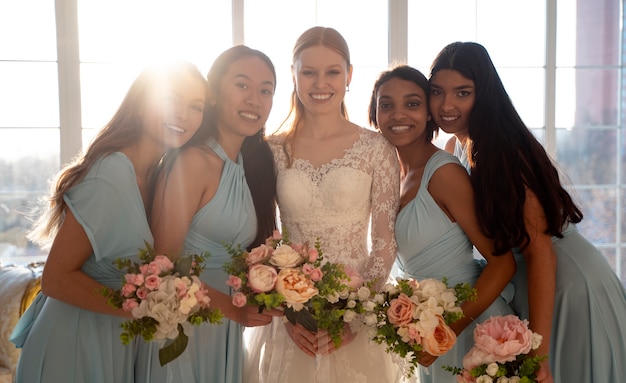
[(366, 39), (142, 31), (512, 31), (426, 34), (28, 30), (526, 89), (29, 94), (588, 156), (598, 207), (588, 32)]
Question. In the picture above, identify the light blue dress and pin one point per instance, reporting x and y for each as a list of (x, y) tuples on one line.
[(589, 319), (62, 343), (215, 352), (432, 246)]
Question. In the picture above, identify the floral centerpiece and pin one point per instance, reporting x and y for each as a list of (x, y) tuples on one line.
[(501, 353), (412, 316), (164, 295), (295, 277)]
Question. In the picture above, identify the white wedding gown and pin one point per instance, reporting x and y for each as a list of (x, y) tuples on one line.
[(334, 203)]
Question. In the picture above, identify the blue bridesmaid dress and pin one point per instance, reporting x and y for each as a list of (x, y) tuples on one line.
[(588, 340), (62, 343), (215, 351), (432, 246)]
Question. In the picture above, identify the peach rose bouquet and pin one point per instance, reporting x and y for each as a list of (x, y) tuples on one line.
[(412, 316), (296, 277), (164, 295), (501, 353)]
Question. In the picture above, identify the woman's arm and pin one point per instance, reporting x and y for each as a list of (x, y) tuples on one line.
[(451, 188), (62, 276)]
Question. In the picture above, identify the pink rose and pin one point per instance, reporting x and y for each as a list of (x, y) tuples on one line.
[(441, 341), (261, 278), (145, 269), (142, 293), (135, 279), (161, 264), (313, 255), (234, 282), (400, 311), (129, 304), (503, 337), (128, 289), (296, 287), (316, 274), (259, 254), (152, 282), (355, 280), (239, 300)]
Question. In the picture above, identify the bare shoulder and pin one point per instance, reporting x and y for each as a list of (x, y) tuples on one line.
[(449, 146)]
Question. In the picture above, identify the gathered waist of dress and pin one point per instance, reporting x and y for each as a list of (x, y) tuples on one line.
[(466, 273)]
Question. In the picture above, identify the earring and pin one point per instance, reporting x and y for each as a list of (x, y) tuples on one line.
[(348, 88)]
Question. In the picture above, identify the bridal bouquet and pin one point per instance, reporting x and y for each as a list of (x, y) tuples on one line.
[(164, 295), (500, 353), (294, 276), (413, 316)]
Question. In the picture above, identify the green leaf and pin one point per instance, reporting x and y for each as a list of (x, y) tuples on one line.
[(303, 317), (173, 349), (183, 266)]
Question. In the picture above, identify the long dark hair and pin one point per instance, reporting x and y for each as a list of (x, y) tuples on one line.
[(504, 156), (258, 160)]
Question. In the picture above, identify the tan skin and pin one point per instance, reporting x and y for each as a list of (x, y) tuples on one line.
[(402, 112), (451, 101), (244, 103), (452, 98), (181, 105), (323, 73)]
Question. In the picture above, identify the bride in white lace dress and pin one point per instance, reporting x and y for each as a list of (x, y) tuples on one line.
[(334, 179)]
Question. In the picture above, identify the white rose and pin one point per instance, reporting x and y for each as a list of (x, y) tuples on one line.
[(371, 319), (351, 304), (536, 340), (333, 298), (503, 379), (363, 293), (369, 305), (349, 316), (189, 301), (285, 256), (262, 278), (484, 379), (379, 298), (515, 379), (492, 369)]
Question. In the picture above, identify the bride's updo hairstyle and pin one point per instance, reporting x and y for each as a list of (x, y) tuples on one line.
[(315, 36)]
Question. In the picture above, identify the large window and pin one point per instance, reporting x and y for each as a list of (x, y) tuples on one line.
[(68, 64)]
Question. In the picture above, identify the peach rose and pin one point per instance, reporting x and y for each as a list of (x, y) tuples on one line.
[(441, 341), (400, 311), (259, 254), (239, 299), (296, 287), (261, 278)]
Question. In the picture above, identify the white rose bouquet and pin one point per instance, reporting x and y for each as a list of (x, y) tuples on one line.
[(295, 276), (164, 295), (412, 316)]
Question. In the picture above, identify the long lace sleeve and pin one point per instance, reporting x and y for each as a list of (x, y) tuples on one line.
[(385, 200)]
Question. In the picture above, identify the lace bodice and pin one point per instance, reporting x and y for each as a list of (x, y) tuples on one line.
[(336, 201)]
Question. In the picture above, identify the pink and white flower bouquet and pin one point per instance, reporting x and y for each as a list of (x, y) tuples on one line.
[(501, 353), (412, 316), (164, 295), (295, 277)]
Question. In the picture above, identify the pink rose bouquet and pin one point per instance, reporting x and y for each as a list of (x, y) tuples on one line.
[(295, 277), (413, 316), (164, 295), (500, 352)]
